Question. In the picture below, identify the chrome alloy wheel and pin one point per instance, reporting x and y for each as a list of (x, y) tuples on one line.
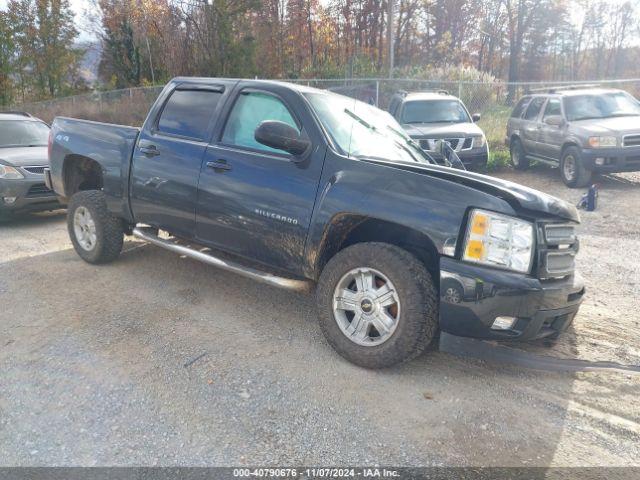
[(569, 167), (84, 228), (366, 306)]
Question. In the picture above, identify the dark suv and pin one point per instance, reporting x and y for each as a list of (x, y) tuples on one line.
[(583, 130), (435, 115)]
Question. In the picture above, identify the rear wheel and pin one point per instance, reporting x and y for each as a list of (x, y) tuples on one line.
[(377, 305), (518, 156), (96, 234), (572, 170)]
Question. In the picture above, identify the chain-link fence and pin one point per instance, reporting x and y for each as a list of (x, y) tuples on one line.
[(493, 100)]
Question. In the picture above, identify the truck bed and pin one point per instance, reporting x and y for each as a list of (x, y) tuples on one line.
[(110, 145)]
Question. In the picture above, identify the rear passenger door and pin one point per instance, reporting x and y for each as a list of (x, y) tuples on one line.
[(168, 156), (530, 131), (253, 200)]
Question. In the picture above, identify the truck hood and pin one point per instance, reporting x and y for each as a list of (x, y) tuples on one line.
[(442, 130), (519, 196), (606, 126), (24, 156)]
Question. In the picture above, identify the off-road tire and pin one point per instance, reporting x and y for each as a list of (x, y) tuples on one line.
[(418, 319), (582, 176), (519, 158), (109, 229)]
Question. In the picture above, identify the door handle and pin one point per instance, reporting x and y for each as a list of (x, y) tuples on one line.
[(150, 151), (219, 166)]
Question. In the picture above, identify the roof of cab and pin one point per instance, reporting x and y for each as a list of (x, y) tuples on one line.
[(16, 116), (212, 80), (587, 91), (571, 91), (435, 95)]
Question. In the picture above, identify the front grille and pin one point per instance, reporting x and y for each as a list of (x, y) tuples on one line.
[(37, 170), (39, 190), (457, 144), (632, 141), (558, 234), (557, 251)]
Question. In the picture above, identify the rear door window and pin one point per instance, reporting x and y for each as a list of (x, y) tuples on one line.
[(534, 108), (188, 113), (520, 107)]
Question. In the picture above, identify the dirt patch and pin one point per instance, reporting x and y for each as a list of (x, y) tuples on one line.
[(160, 360)]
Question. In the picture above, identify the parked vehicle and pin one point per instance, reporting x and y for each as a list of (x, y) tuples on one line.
[(306, 187), (432, 116), (581, 129), (23, 157)]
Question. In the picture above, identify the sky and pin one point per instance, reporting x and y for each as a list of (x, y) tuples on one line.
[(78, 7)]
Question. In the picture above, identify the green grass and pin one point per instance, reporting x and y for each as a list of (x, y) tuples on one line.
[(498, 160), (494, 125)]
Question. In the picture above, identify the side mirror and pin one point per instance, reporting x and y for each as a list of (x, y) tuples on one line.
[(554, 120), (282, 136), (476, 117), (451, 158)]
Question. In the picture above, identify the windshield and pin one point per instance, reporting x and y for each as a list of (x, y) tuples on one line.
[(608, 105), (434, 111), (363, 131), (23, 134)]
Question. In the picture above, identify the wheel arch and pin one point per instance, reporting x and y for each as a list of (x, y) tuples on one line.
[(566, 145), (81, 173), (346, 230)]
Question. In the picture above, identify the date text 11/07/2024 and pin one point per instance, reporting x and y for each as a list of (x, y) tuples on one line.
[(315, 472)]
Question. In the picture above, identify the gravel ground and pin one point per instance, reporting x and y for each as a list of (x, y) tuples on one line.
[(160, 360)]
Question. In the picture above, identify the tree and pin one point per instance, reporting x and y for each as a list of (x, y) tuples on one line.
[(7, 56)]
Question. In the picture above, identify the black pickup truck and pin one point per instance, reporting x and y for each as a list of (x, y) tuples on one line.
[(299, 187)]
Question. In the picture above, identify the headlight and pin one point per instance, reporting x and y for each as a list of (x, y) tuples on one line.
[(479, 142), (9, 173), (602, 142), (499, 241)]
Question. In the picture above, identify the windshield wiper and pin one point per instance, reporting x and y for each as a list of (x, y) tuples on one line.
[(367, 125), (434, 121), (585, 118), (20, 145)]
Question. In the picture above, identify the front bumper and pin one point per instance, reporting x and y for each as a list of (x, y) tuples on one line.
[(471, 158), (471, 298), (619, 159), (29, 194)]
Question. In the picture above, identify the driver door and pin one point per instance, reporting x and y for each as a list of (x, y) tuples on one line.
[(551, 136), (253, 200)]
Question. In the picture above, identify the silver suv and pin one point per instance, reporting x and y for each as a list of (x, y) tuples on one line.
[(583, 130), (23, 158)]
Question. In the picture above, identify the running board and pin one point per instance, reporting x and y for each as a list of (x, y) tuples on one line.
[(149, 234), (543, 160)]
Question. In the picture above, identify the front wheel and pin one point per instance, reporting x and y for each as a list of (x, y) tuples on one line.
[(96, 234), (377, 305), (573, 173)]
